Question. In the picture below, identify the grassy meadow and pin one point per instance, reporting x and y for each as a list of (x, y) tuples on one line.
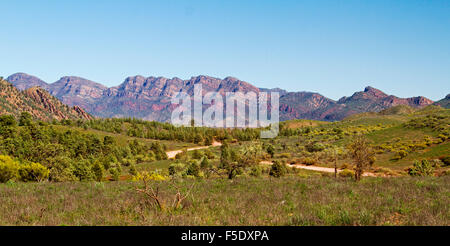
[(291, 200)]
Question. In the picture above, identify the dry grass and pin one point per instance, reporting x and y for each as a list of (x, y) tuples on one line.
[(244, 201)]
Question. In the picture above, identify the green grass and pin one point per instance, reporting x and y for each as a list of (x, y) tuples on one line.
[(244, 201)]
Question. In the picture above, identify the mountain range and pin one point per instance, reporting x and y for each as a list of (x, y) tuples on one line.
[(149, 97), (38, 102)]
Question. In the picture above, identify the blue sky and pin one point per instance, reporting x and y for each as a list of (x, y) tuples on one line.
[(331, 47)]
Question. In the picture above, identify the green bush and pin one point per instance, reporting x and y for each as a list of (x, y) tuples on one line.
[(285, 155), (128, 161), (33, 172), (256, 171), (204, 163), (309, 161), (445, 160), (133, 171), (278, 169), (401, 154), (61, 169), (83, 171), (315, 147), (421, 168), (98, 170), (193, 169), (197, 154), (176, 168), (181, 156), (209, 154), (270, 150), (115, 173), (8, 168), (346, 173)]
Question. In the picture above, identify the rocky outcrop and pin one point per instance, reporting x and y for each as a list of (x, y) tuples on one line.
[(38, 102)]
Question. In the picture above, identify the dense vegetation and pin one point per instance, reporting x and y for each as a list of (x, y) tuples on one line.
[(217, 185)]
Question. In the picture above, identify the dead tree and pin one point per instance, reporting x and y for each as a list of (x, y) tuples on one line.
[(362, 154), (154, 195)]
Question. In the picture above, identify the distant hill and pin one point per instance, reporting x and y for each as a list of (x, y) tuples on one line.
[(149, 98), (38, 102), (445, 103)]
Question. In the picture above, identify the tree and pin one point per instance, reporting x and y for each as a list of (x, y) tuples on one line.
[(98, 170), (193, 169), (278, 169), (8, 168), (133, 171), (208, 140), (271, 150), (362, 154), (25, 119), (204, 164), (7, 126), (235, 162), (33, 172)]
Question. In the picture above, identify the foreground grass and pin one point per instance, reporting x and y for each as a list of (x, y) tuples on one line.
[(244, 201)]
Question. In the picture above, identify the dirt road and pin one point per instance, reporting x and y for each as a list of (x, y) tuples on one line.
[(319, 169), (173, 153)]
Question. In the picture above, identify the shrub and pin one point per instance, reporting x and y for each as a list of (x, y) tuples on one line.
[(270, 150), (154, 175), (128, 162), (139, 159), (82, 170), (197, 154), (445, 160), (133, 171), (278, 169), (436, 163), (33, 172), (401, 154), (98, 170), (204, 163), (176, 168), (8, 168), (421, 168), (26, 119), (309, 161), (209, 154), (285, 155), (193, 169), (61, 169), (315, 147), (346, 173), (181, 155), (115, 173), (256, 171)]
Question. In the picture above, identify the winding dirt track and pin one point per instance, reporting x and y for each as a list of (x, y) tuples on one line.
[(319, 169), (173, 153)]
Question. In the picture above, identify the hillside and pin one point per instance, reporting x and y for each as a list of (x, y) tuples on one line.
[(149, 98), (400, 135), (445, 103), (38, 102)]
